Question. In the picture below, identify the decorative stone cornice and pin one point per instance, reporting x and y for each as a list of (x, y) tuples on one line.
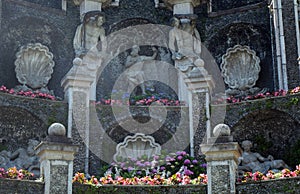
[(104, 2), (171, 3)]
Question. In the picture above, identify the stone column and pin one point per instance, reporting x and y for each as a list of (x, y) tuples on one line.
[(199, 111), (56, 158), (77, 85), (222, 160)]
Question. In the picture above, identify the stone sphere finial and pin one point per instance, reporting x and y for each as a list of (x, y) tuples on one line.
[(221, 130), (77, 61), (57, 129)]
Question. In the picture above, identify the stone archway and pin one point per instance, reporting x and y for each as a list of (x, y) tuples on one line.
[(271, 131)]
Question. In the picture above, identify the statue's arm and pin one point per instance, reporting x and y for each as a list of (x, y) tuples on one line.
[(15, 154), (261, 158), (172, 42), (77, 41)]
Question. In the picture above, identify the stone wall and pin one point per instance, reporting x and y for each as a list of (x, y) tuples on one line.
[(24, 22), (230, 4), (288, 15), (21, 186), (272, 124), (247, 27), (278, 186), (24, 118)]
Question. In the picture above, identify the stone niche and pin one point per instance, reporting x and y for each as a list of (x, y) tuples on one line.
[(240, 69), (272, 132)]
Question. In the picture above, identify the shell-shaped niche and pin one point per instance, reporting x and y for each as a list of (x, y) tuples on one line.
[(137, 146), (34, 65), (240, 67)]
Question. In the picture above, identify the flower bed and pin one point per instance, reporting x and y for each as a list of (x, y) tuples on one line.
[(173, 169), (258, 176), (29, 93), (14, 173), (233, 99)]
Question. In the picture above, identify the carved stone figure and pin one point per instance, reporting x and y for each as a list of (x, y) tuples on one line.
[(185, 46), (90, 33), (240, 69), (34, 66), (22, 158), (252, 162), (134, 73)]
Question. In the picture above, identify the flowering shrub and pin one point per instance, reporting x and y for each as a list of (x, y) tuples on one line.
[(164, 165), (258, 176), (32, 94), (13, 173)]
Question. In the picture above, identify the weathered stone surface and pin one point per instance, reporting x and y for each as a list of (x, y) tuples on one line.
[(21, 186)]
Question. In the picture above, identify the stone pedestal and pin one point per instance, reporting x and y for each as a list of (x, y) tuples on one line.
[(56, 158), (222, 161), (91, 5)]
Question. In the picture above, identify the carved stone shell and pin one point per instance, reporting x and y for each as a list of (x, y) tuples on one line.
[(137, 146), (34, 65), (240, 67)]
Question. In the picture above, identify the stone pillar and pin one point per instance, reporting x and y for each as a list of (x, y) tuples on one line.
[(56, 158), (199, 111), (77, 85), (222, 161)]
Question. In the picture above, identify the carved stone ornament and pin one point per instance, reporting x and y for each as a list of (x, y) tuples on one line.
[(34, 65), (137, 146), (240, 67), (195, 3)]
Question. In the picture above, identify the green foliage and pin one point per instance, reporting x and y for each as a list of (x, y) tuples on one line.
[(293, 156), (262, 144)]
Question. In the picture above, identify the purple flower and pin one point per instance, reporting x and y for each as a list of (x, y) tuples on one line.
[(203, 165), (130, 169), (162, 168), (147, 163), (195, 161), (186, 162), (188, 172), (179, 157), (155, 157)]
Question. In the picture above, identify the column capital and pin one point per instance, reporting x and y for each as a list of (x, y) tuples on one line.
[(221, 151)]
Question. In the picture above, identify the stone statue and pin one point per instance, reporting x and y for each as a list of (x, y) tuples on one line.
[(252, 162), (21, 158), (185, 43), (89, 33), (135, 74)]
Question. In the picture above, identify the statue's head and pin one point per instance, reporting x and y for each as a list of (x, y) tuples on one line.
[(94, 17), (175, 21), (246, 145)]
